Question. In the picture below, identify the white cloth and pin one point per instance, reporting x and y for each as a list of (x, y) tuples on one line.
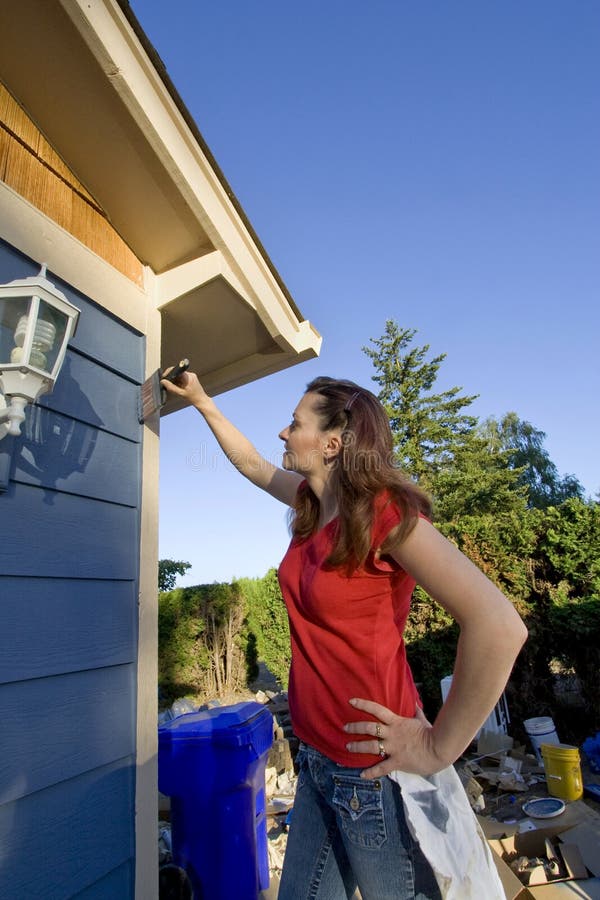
[(441, 820)]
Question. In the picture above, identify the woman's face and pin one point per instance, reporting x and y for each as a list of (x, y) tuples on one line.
[(305, 443)]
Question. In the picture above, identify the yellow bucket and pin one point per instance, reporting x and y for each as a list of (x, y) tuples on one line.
[(563, 771)]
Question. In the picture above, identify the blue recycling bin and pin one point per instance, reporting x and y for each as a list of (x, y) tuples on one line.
[(212, 766)]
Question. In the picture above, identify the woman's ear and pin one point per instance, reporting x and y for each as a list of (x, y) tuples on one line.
[(332, 446)]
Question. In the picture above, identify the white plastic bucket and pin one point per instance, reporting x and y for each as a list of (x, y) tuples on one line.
[(497, 720), (445, 685), (541, 730)]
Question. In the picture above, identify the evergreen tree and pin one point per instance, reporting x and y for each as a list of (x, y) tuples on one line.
[(476, 482), (435, 439), (268, 622), (427, 426)]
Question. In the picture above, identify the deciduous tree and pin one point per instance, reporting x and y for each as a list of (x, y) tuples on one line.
[(168, 570), (523, 445)]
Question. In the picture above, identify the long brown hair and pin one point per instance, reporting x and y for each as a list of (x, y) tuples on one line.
[(364, 468)]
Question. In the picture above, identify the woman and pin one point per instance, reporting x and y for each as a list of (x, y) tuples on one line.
[(361, 539)]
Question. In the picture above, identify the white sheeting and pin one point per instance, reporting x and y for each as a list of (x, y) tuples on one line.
[(441, 820)]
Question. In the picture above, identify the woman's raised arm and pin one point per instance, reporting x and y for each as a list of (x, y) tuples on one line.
[(237, 448)]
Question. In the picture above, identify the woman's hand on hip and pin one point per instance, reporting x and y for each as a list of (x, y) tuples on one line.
[(402, 743)]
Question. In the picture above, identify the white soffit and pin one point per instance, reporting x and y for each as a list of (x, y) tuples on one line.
[(208, 317)]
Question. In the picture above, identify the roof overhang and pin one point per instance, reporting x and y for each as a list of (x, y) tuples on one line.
[(92, 83), (210, 317)]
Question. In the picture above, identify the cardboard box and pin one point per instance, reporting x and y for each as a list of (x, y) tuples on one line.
[(587, 837), (570, 890), (577, 830), (544, 844)]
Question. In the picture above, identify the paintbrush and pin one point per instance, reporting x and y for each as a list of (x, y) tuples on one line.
[(152, 395)]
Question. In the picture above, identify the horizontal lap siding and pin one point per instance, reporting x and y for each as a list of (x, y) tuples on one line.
[(113, 886), (58, 643), (64, 536), (60, 841), (59, 727), (69, 557), (79, 460), (90, 393)]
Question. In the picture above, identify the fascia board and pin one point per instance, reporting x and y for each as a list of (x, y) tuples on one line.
[(251, 368)]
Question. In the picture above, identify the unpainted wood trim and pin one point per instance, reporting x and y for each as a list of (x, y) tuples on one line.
[(30, 166)]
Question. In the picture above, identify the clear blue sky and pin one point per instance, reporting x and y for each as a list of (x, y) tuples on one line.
[(434, 163)]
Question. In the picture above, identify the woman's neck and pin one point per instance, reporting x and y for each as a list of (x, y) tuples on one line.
[(323, 491)]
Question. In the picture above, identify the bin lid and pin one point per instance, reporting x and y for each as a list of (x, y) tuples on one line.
[(235, 726)]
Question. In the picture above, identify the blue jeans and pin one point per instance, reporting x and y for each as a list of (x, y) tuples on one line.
[(347, 832)]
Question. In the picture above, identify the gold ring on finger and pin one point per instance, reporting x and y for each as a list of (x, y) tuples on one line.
[(378, 731), (382, 752)]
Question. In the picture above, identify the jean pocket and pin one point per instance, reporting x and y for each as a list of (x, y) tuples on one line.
[(359, 806)]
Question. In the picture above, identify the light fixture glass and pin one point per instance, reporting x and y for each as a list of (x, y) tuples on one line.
[(36, 324)]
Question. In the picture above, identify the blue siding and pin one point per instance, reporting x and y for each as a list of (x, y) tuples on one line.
[(62, 840), (59, 535), (77, 457), (69, 558), (113, 886), (97, 396), (59, 727), (58, 643)]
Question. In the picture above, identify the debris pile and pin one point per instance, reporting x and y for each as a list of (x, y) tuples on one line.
[(508, 788)]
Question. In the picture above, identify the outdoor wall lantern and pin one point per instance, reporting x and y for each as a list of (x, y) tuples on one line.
[(36, 323)]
